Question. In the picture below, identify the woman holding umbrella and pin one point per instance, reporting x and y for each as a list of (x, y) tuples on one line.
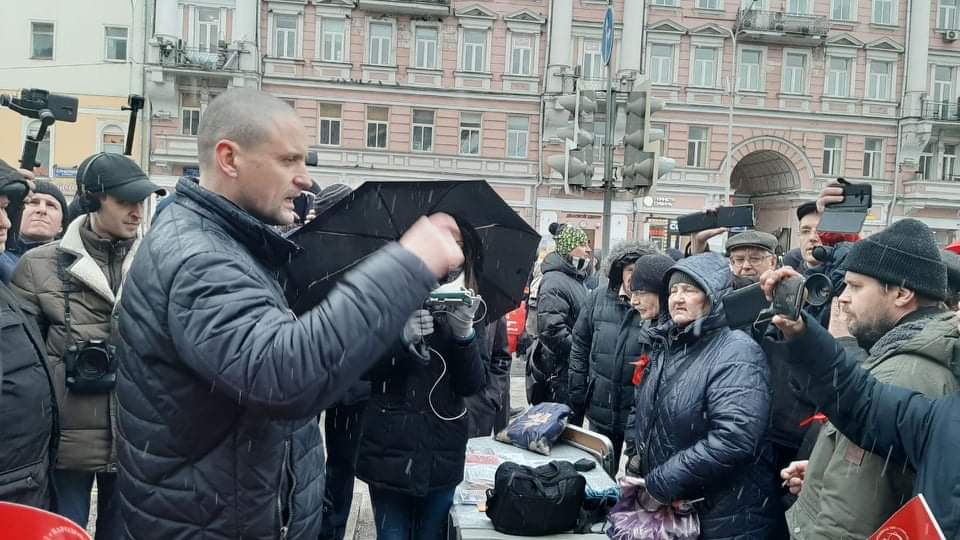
[(414, 439), (702, 407)]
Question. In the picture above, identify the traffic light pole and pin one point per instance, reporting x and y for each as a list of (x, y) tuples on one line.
[(608, 185)]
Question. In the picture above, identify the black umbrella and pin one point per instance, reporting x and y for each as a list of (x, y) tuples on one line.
[(377, 213)]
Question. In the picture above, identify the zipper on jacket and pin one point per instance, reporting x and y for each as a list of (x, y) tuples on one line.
[(287, 469)]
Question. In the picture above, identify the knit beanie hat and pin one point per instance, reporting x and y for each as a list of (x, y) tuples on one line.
[(679, 276), (649, 273), (904, 254), (570, 238), (49, 188)]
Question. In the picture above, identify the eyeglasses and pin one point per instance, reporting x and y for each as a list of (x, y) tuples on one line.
[(754, 260)]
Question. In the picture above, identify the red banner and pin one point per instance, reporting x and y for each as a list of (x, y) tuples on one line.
[(28, 523), (913, 521)]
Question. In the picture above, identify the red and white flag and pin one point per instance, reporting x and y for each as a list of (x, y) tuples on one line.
[(913, 521)]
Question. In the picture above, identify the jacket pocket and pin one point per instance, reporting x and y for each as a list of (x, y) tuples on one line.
[(15, 482), (18, 351)]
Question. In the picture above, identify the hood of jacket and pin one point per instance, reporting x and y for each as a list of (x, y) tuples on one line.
[(553, 262), (711, 272), (620, 254), (933, 337)]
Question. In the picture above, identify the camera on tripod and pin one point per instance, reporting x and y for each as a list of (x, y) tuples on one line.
[(90, 367)]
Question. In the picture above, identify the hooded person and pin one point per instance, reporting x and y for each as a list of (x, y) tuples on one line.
[(701, 409), (559, 296), (605, 344), (27, 404)]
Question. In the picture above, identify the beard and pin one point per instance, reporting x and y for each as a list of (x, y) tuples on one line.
[(869, 333)]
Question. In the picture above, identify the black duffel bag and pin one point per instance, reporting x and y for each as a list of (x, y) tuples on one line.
[(528, 501)]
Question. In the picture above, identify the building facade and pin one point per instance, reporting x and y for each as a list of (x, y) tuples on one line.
[(90, 51)]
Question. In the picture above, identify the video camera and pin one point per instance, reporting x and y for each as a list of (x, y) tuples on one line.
[(449, 300), (749, 307), (44, 106)]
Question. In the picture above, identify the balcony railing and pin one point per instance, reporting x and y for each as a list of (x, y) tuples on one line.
[(943, 111), (781, 27), (408, 7), (219, 58)]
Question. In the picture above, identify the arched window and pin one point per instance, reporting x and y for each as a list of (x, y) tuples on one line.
[(111, 139), (43, 150)]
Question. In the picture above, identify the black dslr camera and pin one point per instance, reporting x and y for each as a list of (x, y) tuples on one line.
[(91, 367)]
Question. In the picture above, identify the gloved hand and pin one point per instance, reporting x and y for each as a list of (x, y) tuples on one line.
[(461, 319), (418, 327)]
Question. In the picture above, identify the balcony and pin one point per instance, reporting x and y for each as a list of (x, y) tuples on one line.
[(778, 27), (941, 111), (180, 149), (414, 8), (224, 58)]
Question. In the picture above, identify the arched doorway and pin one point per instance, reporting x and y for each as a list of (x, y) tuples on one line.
[(761, 178)]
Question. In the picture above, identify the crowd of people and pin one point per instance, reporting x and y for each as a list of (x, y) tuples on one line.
[(169, 370)]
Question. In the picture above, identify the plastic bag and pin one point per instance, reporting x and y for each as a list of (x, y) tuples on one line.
[(636, 516)]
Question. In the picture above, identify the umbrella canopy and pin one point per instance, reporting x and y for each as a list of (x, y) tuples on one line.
[(378, 213)]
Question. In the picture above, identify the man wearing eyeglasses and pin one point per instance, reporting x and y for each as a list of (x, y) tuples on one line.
[(751, 253)]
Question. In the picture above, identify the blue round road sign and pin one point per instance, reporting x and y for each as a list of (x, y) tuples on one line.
[(606, 49)]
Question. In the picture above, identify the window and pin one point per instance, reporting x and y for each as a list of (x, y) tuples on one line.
[(873, 158), (799, 7), (942, 90), (470, 133), (43, 149), (329, 114), (422, 131), (665, 3), (41, 39), (880, 77), (705, 66), (947, 14), (697, 147), (883, 11), (521, 54), (838, 76), (832, 155), (750, 65), (332, 39), (948, 162), (189, 114), (753, 4), (661, 63), (518, 135), (794, 78), (111, 140), (592, 63), (926, 162), (285, 37), (377, 124), (426, 40), (116, 43), (381, 37), (709, 4), (475, 50), (208, 29), (842, 10), (599, 136)]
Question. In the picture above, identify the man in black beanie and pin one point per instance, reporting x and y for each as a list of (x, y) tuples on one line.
[(44, 217), (896, 283)]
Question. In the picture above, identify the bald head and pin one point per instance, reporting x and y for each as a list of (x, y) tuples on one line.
[(242, 115)]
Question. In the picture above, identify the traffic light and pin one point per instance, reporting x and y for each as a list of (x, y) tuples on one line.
[(575, 165), (642, 160)]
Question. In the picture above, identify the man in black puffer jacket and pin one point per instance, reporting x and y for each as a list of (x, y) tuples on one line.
[(605, 345), (220, 384)]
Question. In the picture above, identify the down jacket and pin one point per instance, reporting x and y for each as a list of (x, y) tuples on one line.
[(701, 417), (605, 345), (558, 306), (220, 383)]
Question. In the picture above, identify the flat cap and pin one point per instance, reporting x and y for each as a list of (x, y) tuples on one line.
[(752, 238)]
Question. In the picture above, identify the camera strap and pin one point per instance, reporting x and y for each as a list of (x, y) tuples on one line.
[(67, 285)]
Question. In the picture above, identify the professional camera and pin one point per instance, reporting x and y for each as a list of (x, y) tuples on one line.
[(90, 367)]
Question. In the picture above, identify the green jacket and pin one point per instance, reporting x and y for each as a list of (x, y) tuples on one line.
[(848, 492)]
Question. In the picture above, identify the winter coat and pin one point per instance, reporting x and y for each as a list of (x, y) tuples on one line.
[(849, 491), (558, 306), (605, 346), (899, 423), (8, 263), (702, 417), (93, 269), (485, 407), (406, 447), (27, 406), (220, 383)]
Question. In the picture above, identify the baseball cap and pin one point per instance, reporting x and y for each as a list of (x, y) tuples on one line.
[(116, 175)]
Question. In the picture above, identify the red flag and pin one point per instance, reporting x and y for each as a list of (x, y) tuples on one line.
[(25, 522), (913, 521), (641, 365)]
